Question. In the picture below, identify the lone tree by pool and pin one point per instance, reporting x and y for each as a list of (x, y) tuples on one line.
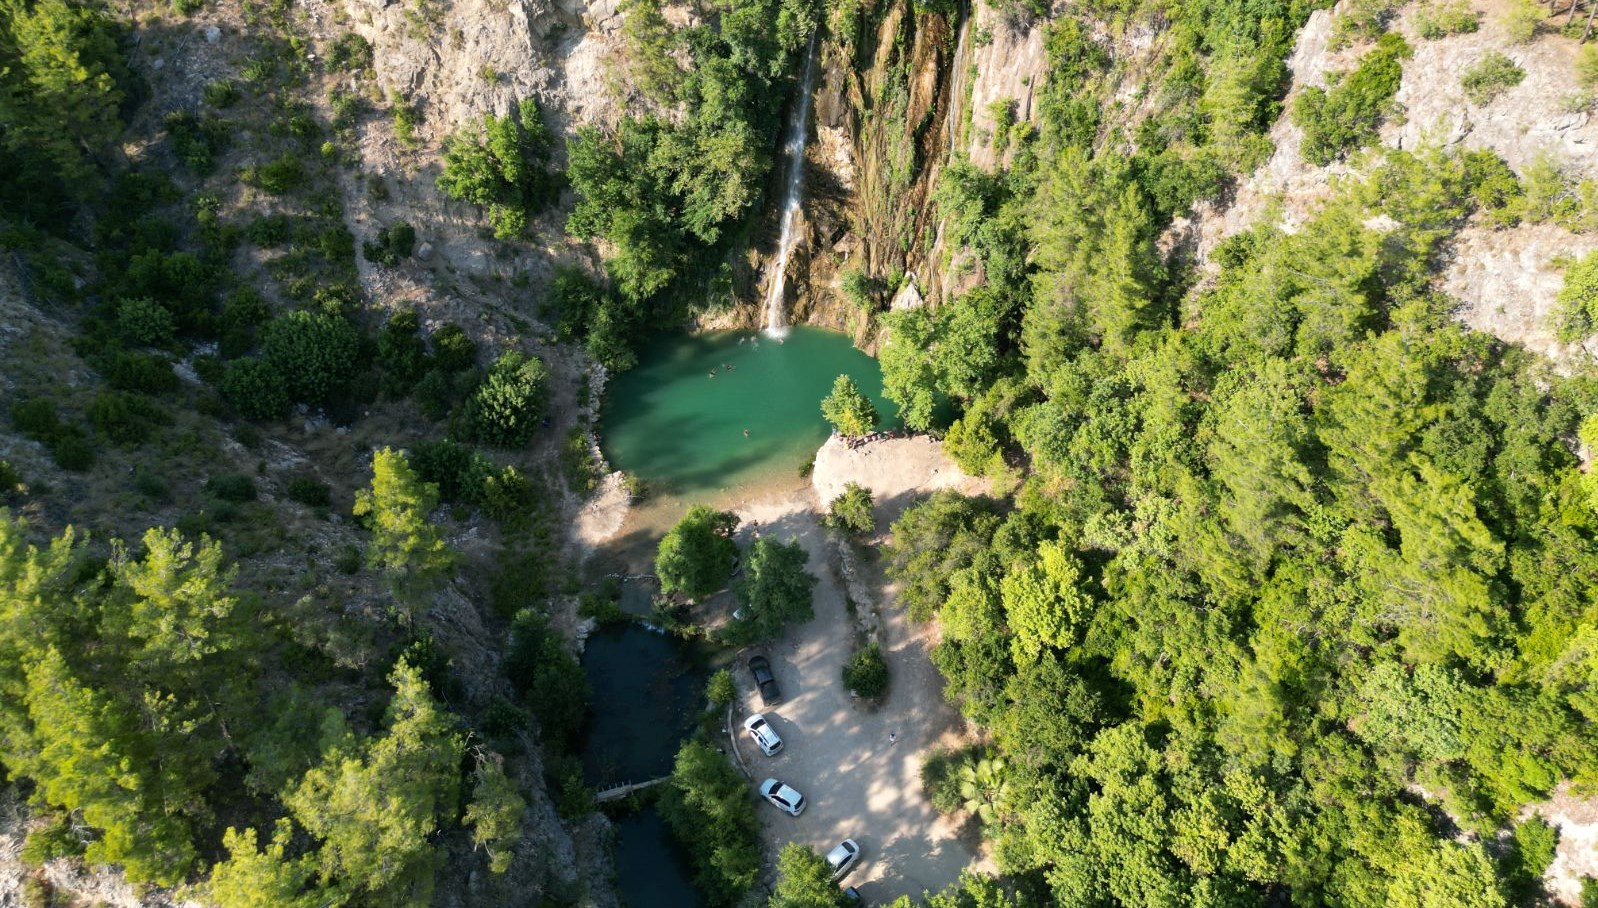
[(849, 411), (774, 591), (695, 558)]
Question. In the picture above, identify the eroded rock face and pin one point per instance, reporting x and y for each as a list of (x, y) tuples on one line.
[(1506, 279)]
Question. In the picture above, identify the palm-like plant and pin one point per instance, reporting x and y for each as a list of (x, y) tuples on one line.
[(984, 787)]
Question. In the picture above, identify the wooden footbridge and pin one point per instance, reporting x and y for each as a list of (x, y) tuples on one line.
[(617, 792)]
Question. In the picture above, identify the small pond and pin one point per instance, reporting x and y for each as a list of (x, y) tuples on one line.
[(652, 870), (672, 422)]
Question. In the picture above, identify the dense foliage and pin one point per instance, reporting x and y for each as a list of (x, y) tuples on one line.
[(695, 557), (502, 168), (853, 511), (707, 806), (773, 592)]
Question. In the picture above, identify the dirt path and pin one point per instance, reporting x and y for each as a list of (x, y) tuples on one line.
[(860, 782)]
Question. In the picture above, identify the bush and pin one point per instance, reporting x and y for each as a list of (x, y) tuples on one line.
[(145, 322), (234, 487), (453, 351), (940, 780), (502, 167), (1344, 117), (309, 491), (126, 419), (720, 689), (1490, 77), (140, 372), (10, 480), (1576, 314), (220, 94), (459, 472), (1587, 66), (350, 53), (51, 842), (1449, 17), (255, 389), (393, 243), (197, 140), (866, 673), (852, 511), (1521, 18), (68, 445), (505, 409), (314, 352), (1361, 20), (281, 176), (401, 352), (547, 676)]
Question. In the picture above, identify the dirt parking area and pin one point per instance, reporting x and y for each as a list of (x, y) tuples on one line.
[(858, 765)]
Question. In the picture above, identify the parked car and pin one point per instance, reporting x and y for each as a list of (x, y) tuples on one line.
[(760, 667), (783, 797), (841, 859), (766, 737), (854, 896)]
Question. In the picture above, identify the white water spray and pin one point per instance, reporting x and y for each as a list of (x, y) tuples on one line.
[(793, 151)]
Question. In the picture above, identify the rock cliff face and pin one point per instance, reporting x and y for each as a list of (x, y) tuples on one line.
[(1505, 278)]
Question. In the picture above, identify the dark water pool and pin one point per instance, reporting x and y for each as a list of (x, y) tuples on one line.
[(652, 870), (648, 693)]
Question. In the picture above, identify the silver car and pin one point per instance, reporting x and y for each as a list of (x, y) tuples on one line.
[(766, 737), (783, 797), (841, 859)]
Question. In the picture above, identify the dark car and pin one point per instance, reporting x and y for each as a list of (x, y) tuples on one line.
[(760, 667)]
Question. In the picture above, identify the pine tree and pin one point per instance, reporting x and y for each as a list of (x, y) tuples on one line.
[(849, 411), (405, 545)]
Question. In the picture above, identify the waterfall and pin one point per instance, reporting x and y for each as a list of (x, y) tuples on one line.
[(793, 152), (957, 83)]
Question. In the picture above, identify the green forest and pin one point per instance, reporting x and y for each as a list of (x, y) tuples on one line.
[(1285, 592)]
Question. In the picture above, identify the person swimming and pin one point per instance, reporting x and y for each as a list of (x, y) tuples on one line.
[(746, 433), (712, 373)]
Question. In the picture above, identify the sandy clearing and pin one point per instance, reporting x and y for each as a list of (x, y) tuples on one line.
[(859, 782)]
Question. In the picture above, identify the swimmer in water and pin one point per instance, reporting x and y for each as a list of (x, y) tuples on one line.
[(712, 373), (746, 433)]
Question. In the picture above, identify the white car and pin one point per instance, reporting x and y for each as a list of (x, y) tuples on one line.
[(766, 737), (841, 859), (783, 797)]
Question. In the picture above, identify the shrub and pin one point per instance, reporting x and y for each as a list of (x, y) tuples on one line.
[(393, 243), (235, 487), (459, 472), (505, 409), (940, 780), (852, 511), (1490, 77), (401, 352), (51, 842), (255, 389), (866, 673), (452, 349), (145, 322), (1449, 17), (1344, 117), (140, 372), (281, 176), (502, 167), (1587, 66), (220, 94), (350, 53), (547, 676), (68, 446), (270, 231), (720, 689), (1521, 18), (309, 491), (1361, 20), (126, 419), (313, 351), (10, 479), (197, 140), (1577, 303)]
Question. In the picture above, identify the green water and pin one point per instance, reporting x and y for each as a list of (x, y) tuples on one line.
[(669, 422)]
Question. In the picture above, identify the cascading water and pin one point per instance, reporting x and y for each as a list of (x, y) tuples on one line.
[(793, 151)]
